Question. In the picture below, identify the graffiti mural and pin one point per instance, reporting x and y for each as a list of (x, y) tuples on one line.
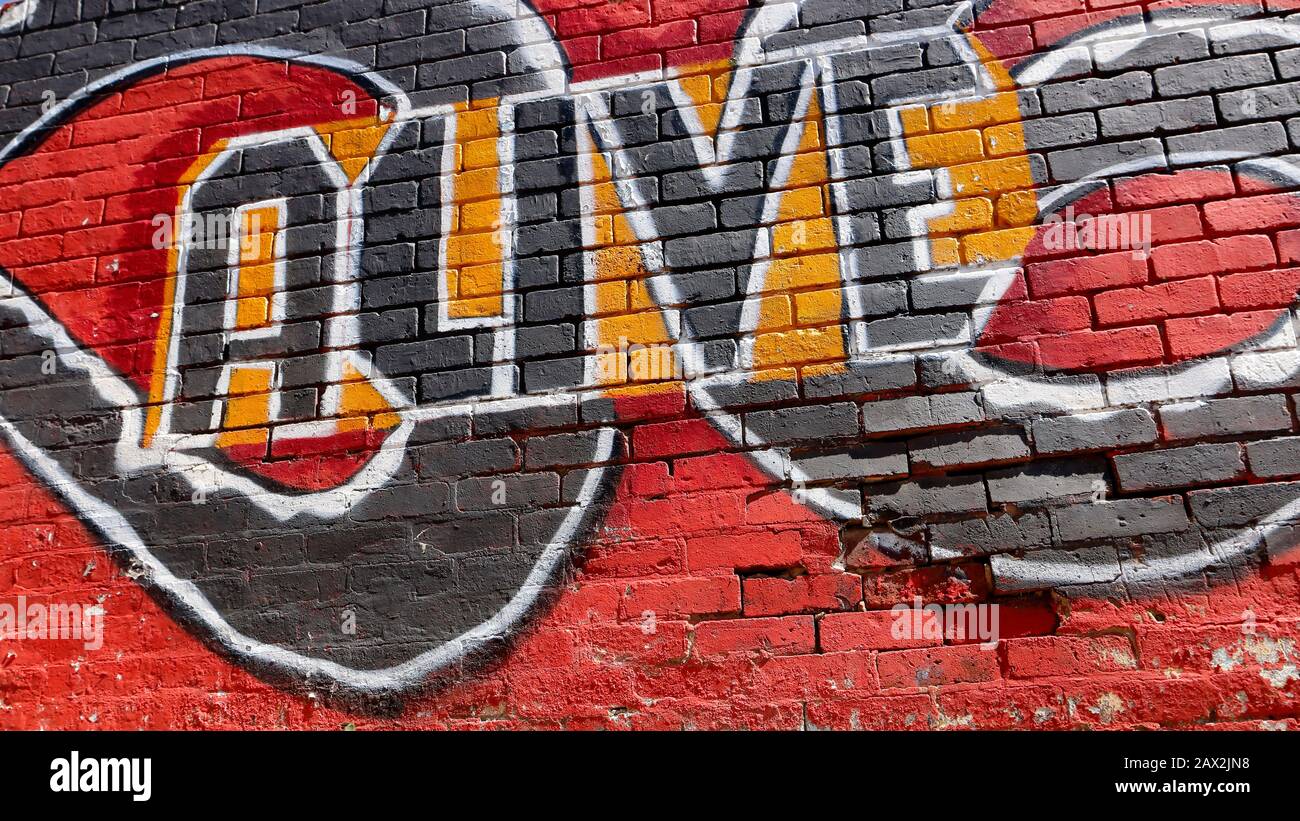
[(346, 327)]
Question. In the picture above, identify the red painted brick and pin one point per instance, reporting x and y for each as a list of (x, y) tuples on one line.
[(1249, 214), (1053, 656), (878, 630), (61, 216), (588, 603), (1087, 272), (1193, 649), (744, 551), (777, 508), (1288, 246), (1184, 297), (720, 27), (718, 470), (1260, 289), (1202, 335), (1016, 12), (706, 54), (664, 401), (1122, 701), (1166, 189), (1026, 618), (713, 596), (783, 636), (1213, 256), (937, 666), (647, 479), (1051, 31), (633, 558), (1173, 224), (649, 40), (660, 643), (1096, 350), (692, 9), (582, 50), (683, 514), (823, 675), (1004, 706), (1008, 41), (911, 711), (776, 596), (937, 584), (549, 648), (603, 17), (1022, 320), (615, 68), (676, 438)]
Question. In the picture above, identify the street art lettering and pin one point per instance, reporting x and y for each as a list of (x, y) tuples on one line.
[(409, 307)]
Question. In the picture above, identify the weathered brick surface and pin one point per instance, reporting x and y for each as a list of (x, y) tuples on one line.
[(651, 364)]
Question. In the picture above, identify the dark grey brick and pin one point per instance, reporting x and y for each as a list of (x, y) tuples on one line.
[(1237, 506), (1223, 417), (969, 448), (425, 355), (928, 497), (572, 449), (1214, 75), (991, 534), (1179, 467), (1121, 518), (1047, 481), (834, 421), (869, 462), (1095, 431), (1079, 95), (1274, 457)]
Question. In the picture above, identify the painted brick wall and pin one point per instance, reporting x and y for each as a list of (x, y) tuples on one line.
[(650, 363)]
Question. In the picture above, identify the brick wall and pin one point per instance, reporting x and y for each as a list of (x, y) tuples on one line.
[(650, 363)]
